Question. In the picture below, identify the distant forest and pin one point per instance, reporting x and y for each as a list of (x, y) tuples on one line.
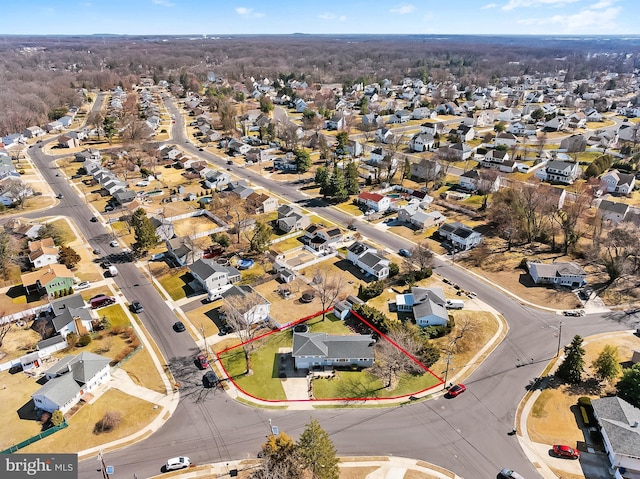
[(41, 76)]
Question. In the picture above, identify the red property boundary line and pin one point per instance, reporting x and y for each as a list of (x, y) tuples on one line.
[(315, 315)]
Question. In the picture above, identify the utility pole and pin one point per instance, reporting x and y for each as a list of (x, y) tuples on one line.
[(446, 372), (103, 466), (204, 339), (559, 339)]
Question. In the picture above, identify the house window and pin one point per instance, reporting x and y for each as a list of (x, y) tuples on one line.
[(341, 360)]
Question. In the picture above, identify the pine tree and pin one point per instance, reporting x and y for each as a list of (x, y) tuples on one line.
[(303, 160), (317, 452), (261, 238), (629, 385), (143, 230), (607, 364), (337, 187), (572, 367), (352, 180), (322, 180)]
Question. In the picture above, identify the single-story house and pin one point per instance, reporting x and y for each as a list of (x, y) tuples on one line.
[(418, 217), (182, 250), (428, 306), (124, 196), (618, 421), (318, 350), (565, 274), (71, 378)]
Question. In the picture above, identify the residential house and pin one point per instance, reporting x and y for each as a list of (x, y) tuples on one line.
[(239, 189), (66, 141), (613, 212), (30, 230), (33, 132), (616, 182), (432, 128), (182, 250), (336, 122), (461, 236), (54, 126), (259, 203), (374, 201), (342, 309), (43, 252), (618, 424), (285, 164), (469, 180), (51, 279), (522, 129), (503, 138), (368, 260), (70, 379), (422, 112), (13, 139), (401, 116), (459, 151), (371, 120), (71, 314), (89, 154), (428, 306), (377, 155), (573, 143), (253, 312), (164, 227), (111, 184), (565, 274), (466, 133), (499, 160), (215, 179), (66, 121), (509, 115), (124, 196), (239, 147), (421, 142), (320, 350), (554, 124), (290, 218), (354, 148), (384, 135), (576, 120), (558, 171), (414, 215), (214, 277), (7, 167), (427, 169), (319, 238)]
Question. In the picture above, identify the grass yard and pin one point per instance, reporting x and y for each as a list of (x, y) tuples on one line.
[(349, 207), (264, 381), (286, 245), (136, 414), (116, 315), (18, 342), (16, 395), (331, 325), (66, 233), (195, 224), (143, 371), (176, 285)]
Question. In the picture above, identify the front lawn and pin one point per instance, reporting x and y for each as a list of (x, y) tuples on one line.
[(176, 284), (116, 316)]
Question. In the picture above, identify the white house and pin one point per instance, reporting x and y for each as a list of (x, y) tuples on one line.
[(565, 274), (508, 139), (613, 212), (252, 313), (71, 378), (460, 236), (375, 201), (421, 142), (43, 252), (214, 277), (367, 259), (615, 182), (618, 421), (428, 306), (71, 314), (418, 217), (557, 171)]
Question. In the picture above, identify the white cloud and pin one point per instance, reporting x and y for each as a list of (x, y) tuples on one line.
[(590, 20), (164, 3), (511, 4), (489, 5), (248, 12), (403, 9), (342, 18)]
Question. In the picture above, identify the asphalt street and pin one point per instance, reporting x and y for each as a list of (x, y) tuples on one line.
[(467, 435)]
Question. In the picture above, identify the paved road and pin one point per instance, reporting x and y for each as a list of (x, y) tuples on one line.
[(466, 435)]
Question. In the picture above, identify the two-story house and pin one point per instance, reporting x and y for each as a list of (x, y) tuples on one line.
[(374, 201), (558, 171), (255, 309), (421, 142), (616, 182), (319, 238), (460, 236), (425, 169), (214, 277), (613, 212), (43, 252), (368, 260), (259, 203), (51, 279)]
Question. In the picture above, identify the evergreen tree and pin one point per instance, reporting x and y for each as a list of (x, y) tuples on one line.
[(317, 453), (322, 180), (261, 238), (303, 160), (337, 186), (572, 367), (629, 386), (143, 230), (607, 364), (352, 180), (265, 104), (57, 417), (279, 459), (109, 128), (342, 139)]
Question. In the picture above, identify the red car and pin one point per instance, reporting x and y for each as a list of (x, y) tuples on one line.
[(203, 362), (456, 390), (566, 451)]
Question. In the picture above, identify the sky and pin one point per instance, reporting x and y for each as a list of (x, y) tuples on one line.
[(216, 17)]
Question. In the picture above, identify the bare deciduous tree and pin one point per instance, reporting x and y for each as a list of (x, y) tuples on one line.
[(329, 285), (4, 330)]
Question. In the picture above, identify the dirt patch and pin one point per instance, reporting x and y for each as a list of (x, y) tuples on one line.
[(413, 474), (18, 342), (195, 224), (357, 472)]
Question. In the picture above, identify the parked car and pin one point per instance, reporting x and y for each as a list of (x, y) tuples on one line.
[(157, 256), (100, 301), (94, 219), (177, 463), (136, 307), (456, 390), (203, 362), (574, 312), (352, 227), (178, 326), (114, 243), (565, 451), (59, 196), (405, 253), (224, 330), (509, 473), (210, 379), (83, 285)]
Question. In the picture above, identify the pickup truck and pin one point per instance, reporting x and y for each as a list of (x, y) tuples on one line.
[(455, 304)]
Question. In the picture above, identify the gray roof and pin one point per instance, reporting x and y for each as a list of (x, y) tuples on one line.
[(45, 343), (557, 269), (68, 308), (371, 259), (205, 268), (617, 417), (353, 346), (613, 207)]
